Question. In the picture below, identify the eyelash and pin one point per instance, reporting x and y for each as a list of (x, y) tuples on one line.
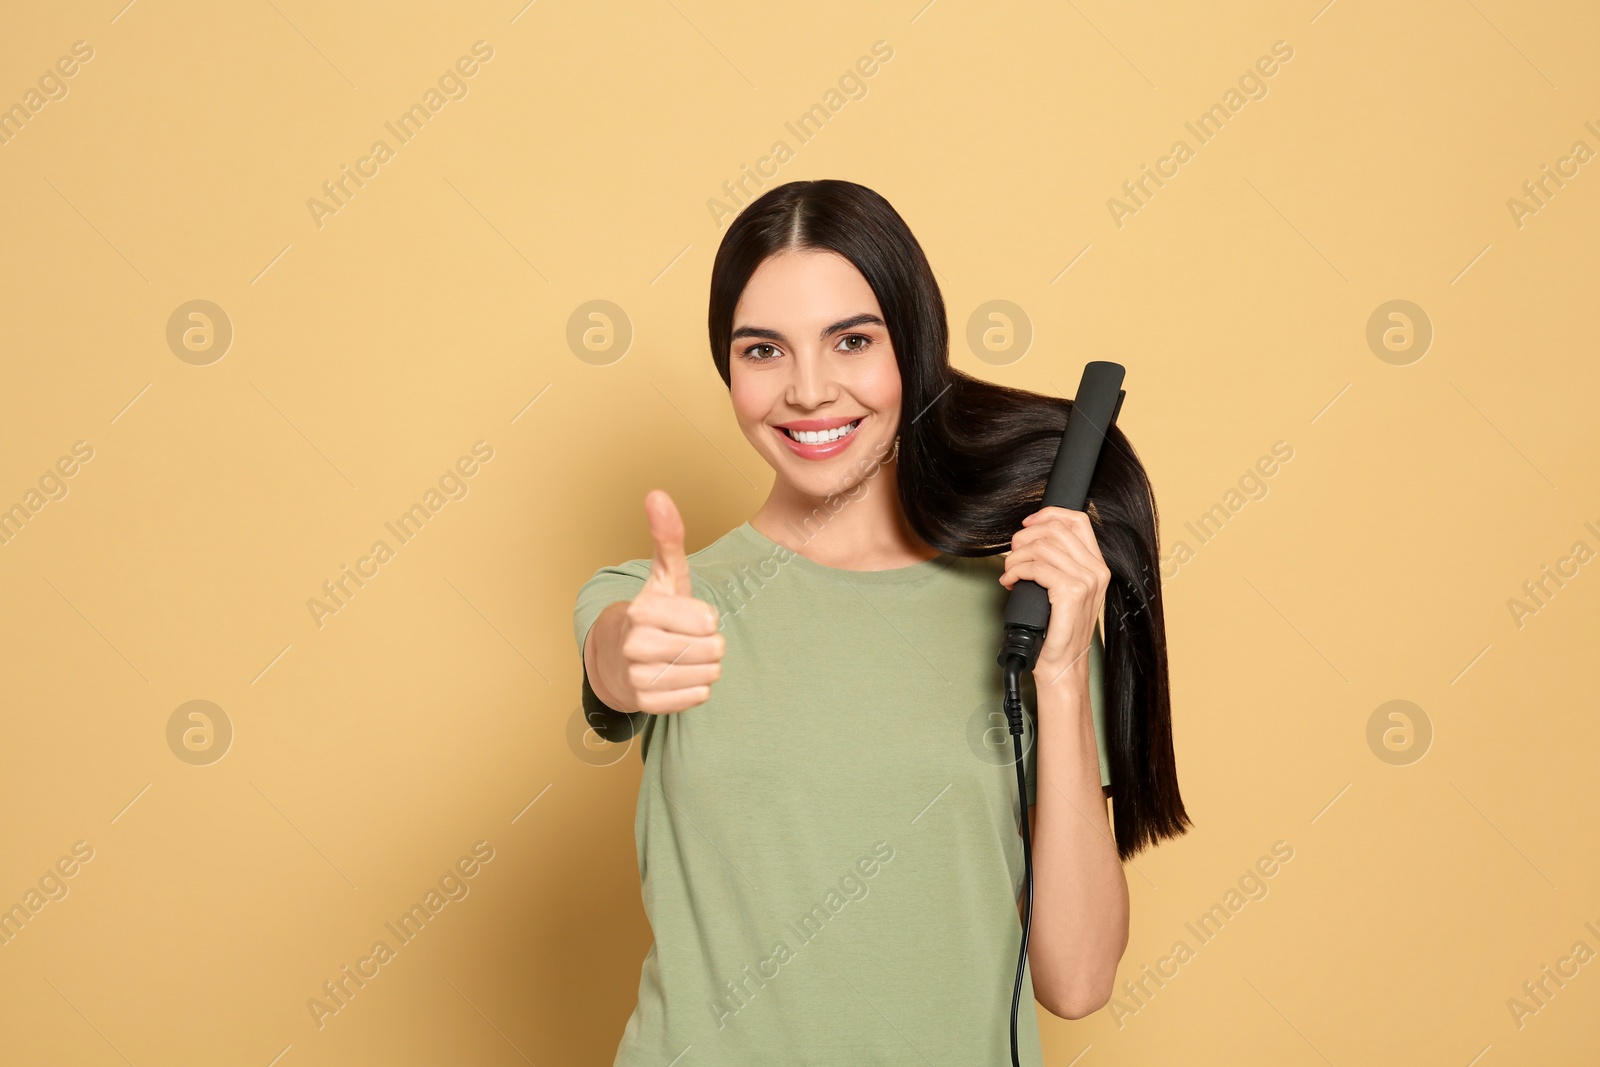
[(764, 344)]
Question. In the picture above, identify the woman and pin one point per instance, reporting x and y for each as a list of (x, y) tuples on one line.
[(827, 825)]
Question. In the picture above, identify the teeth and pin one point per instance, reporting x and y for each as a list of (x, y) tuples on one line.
[(822, 437)]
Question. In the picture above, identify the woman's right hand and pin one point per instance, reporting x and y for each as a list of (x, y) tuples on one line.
[(671, 650)]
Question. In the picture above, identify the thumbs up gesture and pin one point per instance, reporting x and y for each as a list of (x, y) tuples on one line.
[(671, 649)]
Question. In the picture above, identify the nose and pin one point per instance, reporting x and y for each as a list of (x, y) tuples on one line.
[(811, 382)]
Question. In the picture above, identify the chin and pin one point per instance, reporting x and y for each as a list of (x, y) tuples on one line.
[(845, 474)]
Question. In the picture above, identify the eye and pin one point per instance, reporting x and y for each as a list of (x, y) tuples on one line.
[(866, 342), (749, 353)]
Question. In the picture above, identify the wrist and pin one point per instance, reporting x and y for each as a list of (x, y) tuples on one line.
[(1071, 675)]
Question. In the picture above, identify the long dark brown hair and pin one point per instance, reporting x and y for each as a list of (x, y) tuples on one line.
[(974, 459)]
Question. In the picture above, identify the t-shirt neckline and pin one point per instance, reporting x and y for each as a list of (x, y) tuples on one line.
[(788, 557)]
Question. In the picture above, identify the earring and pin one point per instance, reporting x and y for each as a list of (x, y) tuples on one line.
[(896, 453)]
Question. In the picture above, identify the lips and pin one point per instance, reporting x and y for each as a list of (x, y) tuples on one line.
[(819, 424), (816, 450)]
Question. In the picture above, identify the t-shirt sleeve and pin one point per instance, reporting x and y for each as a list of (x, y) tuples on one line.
[(1097, 705), (606, 587)]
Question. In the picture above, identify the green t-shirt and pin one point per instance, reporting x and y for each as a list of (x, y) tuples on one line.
[(828, 847)]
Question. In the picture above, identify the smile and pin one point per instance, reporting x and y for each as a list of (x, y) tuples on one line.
[(820, 443), (821, 437)]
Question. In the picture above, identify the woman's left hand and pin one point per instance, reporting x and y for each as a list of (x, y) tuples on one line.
[(1056, 548)]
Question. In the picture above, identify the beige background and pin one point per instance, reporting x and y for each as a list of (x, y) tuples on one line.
[(435, 709)]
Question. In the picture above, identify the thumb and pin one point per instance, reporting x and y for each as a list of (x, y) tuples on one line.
[(669, 567)]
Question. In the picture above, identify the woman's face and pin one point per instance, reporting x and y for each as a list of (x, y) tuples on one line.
[(811, 357)]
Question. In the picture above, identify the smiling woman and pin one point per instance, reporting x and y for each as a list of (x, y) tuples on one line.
[(847, 695)]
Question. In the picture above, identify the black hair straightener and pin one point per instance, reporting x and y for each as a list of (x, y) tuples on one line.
[(1027, 613)]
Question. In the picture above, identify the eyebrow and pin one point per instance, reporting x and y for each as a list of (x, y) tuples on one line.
[(864, 319)]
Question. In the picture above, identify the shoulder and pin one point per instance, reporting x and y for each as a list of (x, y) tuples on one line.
[(975, 568), (724, 560), (732, 546), (971, 587), (706, 567), (981, 564)]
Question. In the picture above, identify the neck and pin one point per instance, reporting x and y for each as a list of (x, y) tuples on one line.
[(864, 532)]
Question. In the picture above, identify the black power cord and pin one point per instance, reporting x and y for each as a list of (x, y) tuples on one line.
[(1013, 706), (1019, 652)]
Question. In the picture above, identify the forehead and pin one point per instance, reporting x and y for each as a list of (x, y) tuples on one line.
[(804, 289)]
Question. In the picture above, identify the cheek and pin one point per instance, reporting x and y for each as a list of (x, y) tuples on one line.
[(879, 386), (751, 399)]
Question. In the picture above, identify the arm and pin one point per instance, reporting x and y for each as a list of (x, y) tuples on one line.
[(1080, 895), (660, 651)]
